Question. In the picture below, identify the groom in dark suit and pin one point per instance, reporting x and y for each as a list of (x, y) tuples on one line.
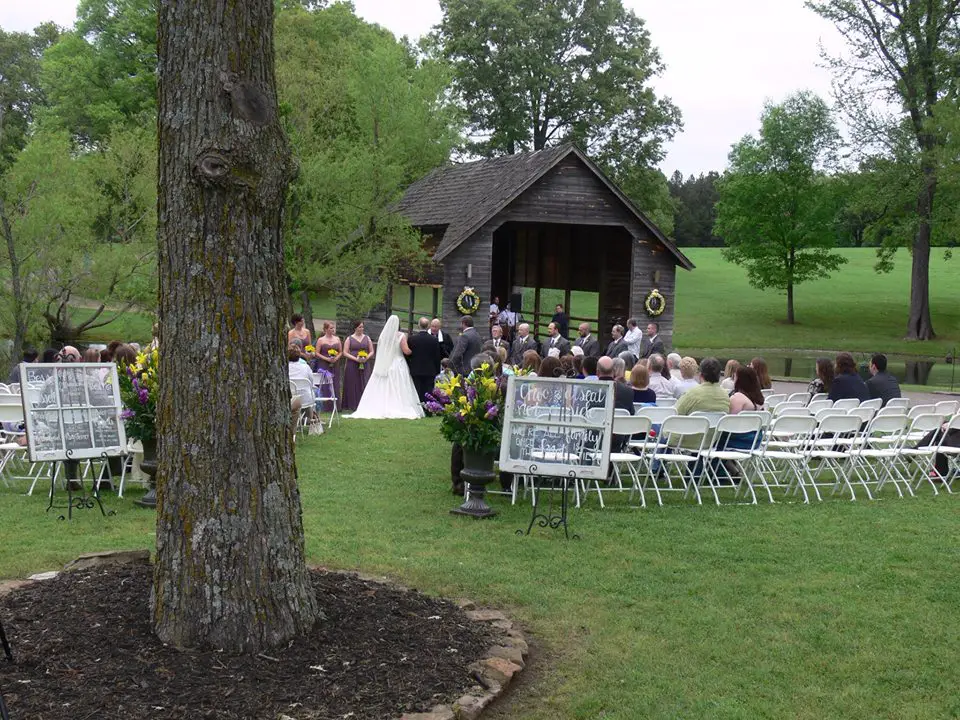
[(424, 358)]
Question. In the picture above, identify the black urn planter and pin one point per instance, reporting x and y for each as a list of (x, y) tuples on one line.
[(149, 467), (477, 473)]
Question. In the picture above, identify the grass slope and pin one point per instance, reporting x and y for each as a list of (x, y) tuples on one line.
[(834, 610), (856, 309)]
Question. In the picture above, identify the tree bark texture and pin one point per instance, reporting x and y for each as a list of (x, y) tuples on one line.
[(920, 324), (16, 288), (230, 569), (307, 312)]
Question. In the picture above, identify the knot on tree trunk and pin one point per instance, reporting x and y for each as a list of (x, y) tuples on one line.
[(248, 102)]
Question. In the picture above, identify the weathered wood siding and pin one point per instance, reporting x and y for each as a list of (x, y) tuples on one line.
[(478, 252)]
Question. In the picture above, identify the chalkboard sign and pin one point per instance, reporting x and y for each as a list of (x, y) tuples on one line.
[(557, 427), (72, 410)]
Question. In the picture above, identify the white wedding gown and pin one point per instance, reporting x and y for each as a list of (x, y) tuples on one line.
[(390, 393)]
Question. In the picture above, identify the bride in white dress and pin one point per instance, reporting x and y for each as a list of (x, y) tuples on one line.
[(390, 392)]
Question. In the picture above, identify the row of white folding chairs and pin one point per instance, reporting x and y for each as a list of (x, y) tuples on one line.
[(11, 389), (790, 456)]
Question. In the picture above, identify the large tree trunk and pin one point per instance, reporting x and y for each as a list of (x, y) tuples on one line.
[(919, 325), (230, 569), (307, 312), (790, 265), (16, 288)]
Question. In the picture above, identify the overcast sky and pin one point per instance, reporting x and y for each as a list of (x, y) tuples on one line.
[(724, 58)]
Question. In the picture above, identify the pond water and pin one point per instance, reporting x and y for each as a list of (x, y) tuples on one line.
[(909, 370)]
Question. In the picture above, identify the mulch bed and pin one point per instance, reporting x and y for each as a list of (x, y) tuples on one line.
[(84, 648)]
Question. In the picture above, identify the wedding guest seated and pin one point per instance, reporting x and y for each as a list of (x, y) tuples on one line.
[(577, 362), (846, 381), (566, 364), (941, 463), (882, 384), (531, 362), (823, 382), (589, 367), (622, 394), (664, 387), (91, 355), (124, 354), (729, 373), (688, 376), (445, 374), (298, 369), (763, 372), (747, 394), (29, 356), (550, 367), (673, 364), (708, 396), (501, 354), (640, 381), (620, 370)]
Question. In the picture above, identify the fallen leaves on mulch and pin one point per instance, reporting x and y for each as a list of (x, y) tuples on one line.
[(84, 648)]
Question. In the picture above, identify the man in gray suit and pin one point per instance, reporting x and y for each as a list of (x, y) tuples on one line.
[(618, 344), (467, 345), (588, 343), (555, 340), (522, 344)]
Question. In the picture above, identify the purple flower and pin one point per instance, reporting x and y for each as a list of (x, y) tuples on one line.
[(434, 407), (471, 393), (127, 414), (492, 411), (143, 395), (440, 396), (136, 384), (459, 416)]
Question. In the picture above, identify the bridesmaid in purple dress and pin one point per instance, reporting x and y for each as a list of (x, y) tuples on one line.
[(355, 379), (327, 360)]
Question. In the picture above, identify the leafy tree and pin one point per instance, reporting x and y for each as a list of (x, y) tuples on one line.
[(230, 569), (103, 72), (533, 73), (905, 53), (60, 244), (20, 93), (370, 118), (777, 208), (695, 199)]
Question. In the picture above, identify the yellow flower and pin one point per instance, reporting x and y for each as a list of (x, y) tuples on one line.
[(463, 400), (141, 360), (309, 348)]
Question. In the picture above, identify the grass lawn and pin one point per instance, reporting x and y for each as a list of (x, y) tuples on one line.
[(834, 610), (856, 310)]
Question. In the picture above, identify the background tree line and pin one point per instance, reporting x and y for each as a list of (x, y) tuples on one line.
[(368, 114)]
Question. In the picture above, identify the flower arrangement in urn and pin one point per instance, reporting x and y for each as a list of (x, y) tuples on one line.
[(470, 409), (138, 391)]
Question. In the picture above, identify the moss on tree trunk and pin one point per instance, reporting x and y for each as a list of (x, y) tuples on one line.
[(230, 569)]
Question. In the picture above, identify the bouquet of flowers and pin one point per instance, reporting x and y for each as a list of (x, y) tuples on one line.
[(309, 349), (332, 353), (139, 384), (470, 409), (362, 356)]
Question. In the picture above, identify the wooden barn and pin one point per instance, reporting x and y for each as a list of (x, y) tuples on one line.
[(542, 225)]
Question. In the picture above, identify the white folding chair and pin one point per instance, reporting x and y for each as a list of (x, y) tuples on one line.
[(920, 459), (768, 392), (875, 403), (948, 407), (831, 449), (892, 411), (327, 397), (827, 412), (918, 410), (783, 410), (4, 390), (765, 416), (800, 397), (772, 401), (304, 389), (627, 425), (782, 453), (899, 402), (874, 459), (9, 449), (952, 455), (816, 406), (865, 414), (680, 442), (735, 439), (712, 417), (666, 402), (846, 404), (817, 397)]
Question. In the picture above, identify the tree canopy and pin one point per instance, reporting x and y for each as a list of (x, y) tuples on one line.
[(777, 207), (904, 53)]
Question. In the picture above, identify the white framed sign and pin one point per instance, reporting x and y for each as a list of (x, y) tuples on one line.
[(72, 410), (557, 427)]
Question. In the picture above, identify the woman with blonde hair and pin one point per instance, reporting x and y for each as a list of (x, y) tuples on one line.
[(729, 375), (640, 380)]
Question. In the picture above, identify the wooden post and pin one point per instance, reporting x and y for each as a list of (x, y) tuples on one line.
[(411, 310), (436, 303)]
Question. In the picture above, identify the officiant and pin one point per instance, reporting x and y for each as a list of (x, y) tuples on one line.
[(424, 358)]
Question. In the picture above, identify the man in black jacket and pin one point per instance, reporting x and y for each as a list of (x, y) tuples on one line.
[(618, 344), (622, 397), (588, 343), (652, 344), (424, 358), (882, 385), (555, 340), (522, 344)]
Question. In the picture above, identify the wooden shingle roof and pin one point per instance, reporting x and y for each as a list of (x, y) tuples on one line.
[(462, 198)]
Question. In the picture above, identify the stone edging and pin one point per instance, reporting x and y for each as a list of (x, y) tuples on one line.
[(493, 672)]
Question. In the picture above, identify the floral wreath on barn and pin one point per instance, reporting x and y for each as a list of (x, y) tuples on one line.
[(655, 303), (468, 302)]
